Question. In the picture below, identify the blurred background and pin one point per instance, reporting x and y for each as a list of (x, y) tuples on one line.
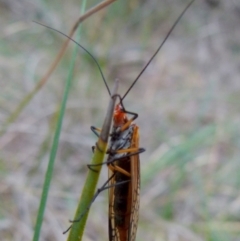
[(188, 102)]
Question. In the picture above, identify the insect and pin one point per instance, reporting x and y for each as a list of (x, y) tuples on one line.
[(124, 168), (124, 175), (123, 163)]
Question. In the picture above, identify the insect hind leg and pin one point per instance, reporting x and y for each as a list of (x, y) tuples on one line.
[(99, 190)]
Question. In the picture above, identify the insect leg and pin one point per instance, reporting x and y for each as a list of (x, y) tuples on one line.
[(115, 168), (95, 130), (90, 165), (99, 190), (138, 151)]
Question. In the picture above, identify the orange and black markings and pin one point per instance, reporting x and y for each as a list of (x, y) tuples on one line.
[(124, 168)]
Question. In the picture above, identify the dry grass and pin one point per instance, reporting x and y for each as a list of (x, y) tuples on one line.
[(188, 105)]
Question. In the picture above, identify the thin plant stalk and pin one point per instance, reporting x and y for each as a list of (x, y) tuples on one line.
[(88, 192), (49, 172)]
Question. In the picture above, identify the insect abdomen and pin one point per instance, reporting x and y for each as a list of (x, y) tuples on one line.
[(121, 192)]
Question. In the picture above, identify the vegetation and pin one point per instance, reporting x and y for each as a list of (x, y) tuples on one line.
[(188, 108)]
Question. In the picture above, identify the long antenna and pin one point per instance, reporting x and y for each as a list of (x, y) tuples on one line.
[(93, 58), (165, 39)]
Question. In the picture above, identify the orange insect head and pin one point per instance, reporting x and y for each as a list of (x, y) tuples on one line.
[(119, 116)]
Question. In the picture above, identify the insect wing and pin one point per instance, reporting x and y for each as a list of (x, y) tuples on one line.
[(135, 186), (119, 193), (124, 193)]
